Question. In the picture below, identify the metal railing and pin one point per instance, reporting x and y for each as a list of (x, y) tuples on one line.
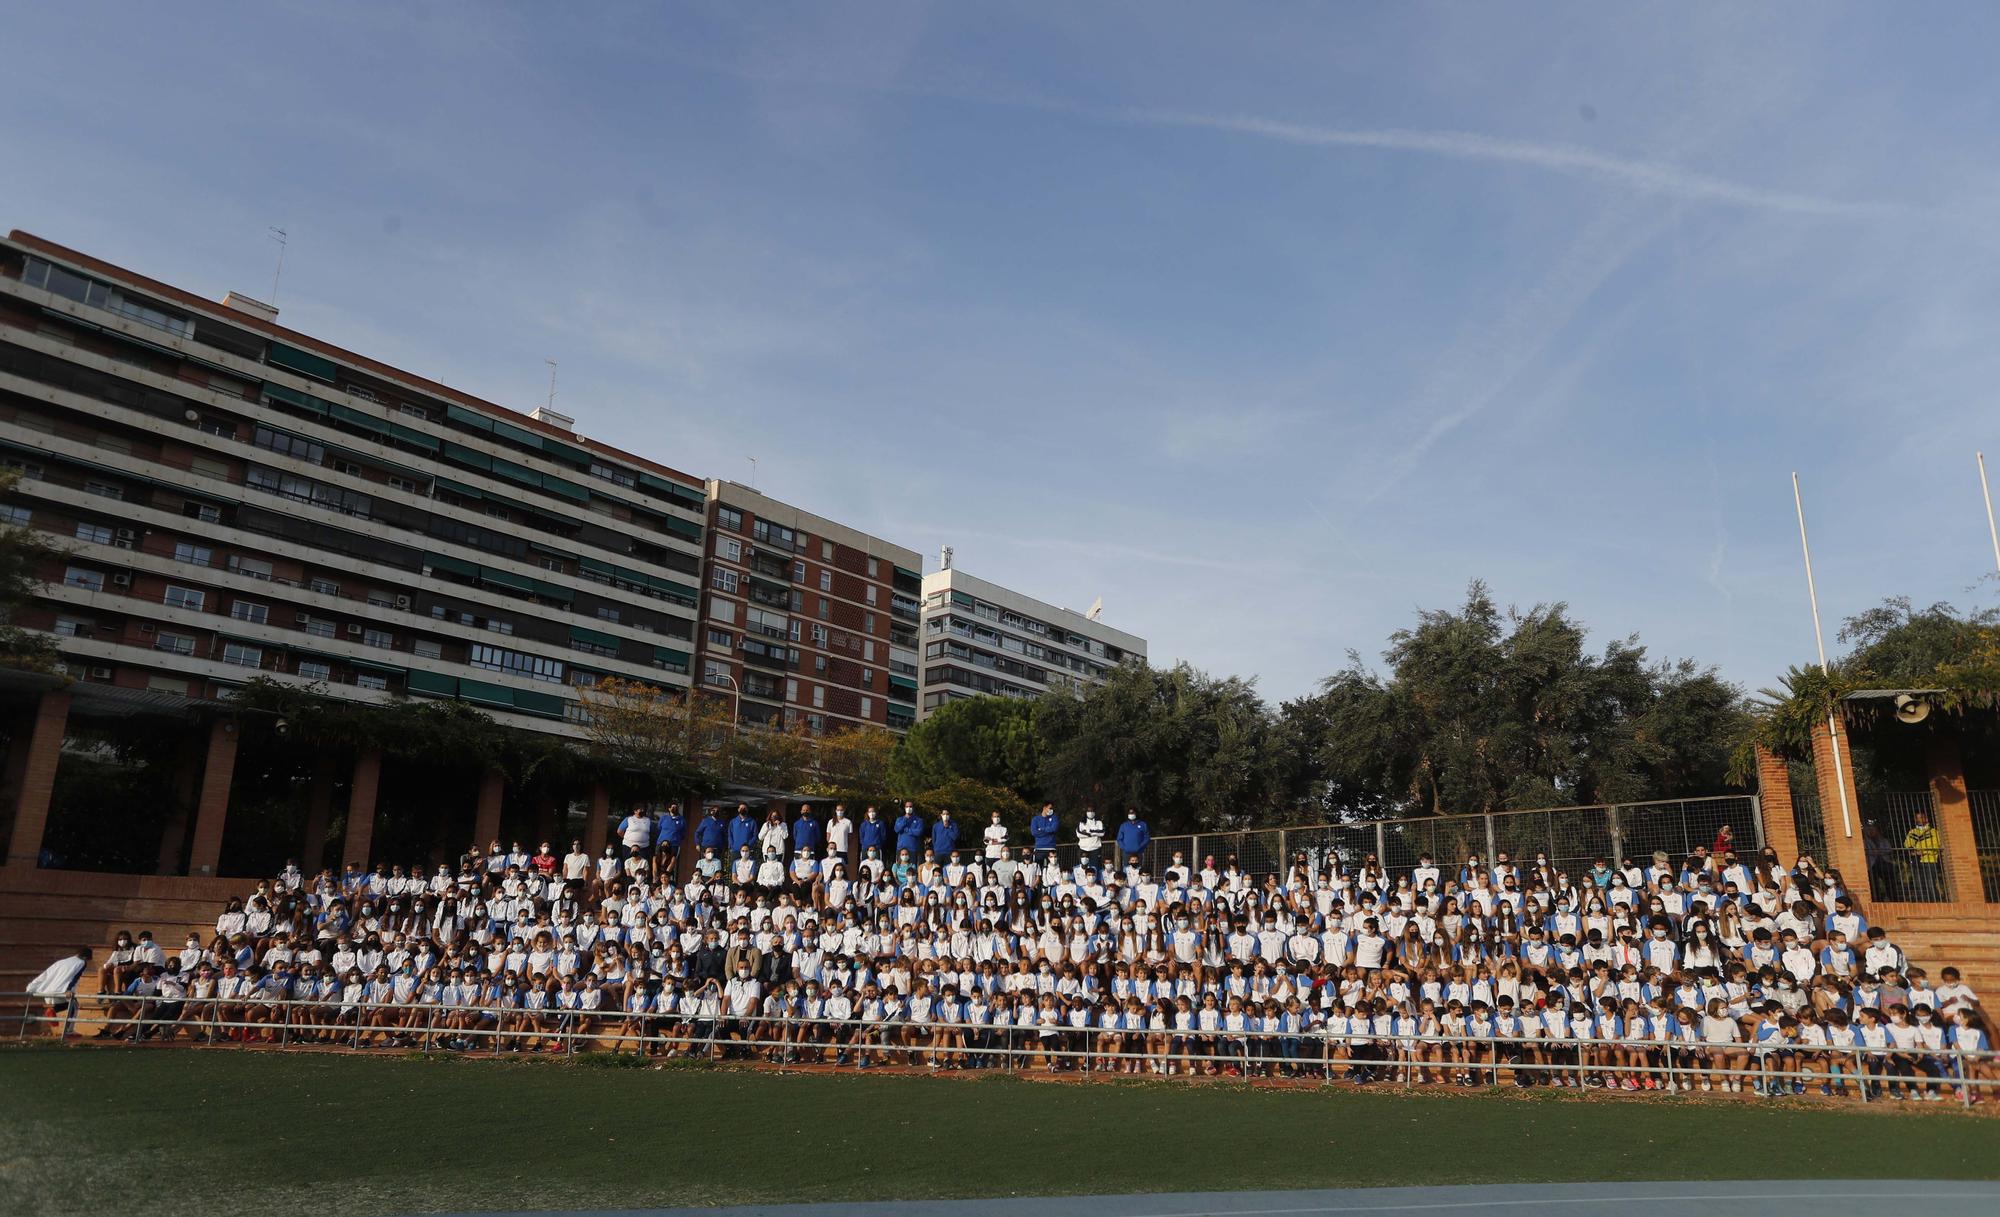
[(1985, 808), (710, 1033), (1906, 859), (1572, 838)]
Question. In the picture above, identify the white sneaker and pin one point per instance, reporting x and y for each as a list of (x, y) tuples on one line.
[(1708, 1086)]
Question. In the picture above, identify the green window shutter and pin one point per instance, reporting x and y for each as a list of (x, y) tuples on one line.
[(908, 573), (316, 366), (559, 451), (596, 567), (578, 634), (467, 418), (520, 474), (480, 693), (433, 684), (684, 528), (515, 435), (961, 599), (546, 705), (413, 437), (504, 578), (383, 668), (568, 490), (456, 566), (463, 455), (668, 657), (357, 418), (551, 591), (304, 401), (458, 488), (676, 591), (903, 682)]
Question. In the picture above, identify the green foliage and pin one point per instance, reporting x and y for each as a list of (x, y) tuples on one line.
[(973, 803), (23, 552), (855, 766), (993, 740)]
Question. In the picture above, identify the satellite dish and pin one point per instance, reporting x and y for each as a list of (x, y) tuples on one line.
[(1911, 710), (1096, 607)]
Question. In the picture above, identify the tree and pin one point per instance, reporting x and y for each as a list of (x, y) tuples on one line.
[(775, 756), (1192, 751), (973, 803), (1484, 710), (855, 765), (23, 552), (668, 741), (992, 740)]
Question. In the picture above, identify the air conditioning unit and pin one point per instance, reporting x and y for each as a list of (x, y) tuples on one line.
[(403, 602), (147, 628), (122, 579), (100, 673), (122, 543), (126, 534), (354, 628)]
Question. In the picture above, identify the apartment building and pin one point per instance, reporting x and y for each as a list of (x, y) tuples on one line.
[(979, 637), (238, 500), (807, 620)]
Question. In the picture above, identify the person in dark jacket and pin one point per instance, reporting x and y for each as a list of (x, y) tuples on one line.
[(806, 832), (872, 833), (668, 835), (742, 830), (910, 830), (710, 833), (707, 961), (1133, 837), (1045, 828), (944, 836)]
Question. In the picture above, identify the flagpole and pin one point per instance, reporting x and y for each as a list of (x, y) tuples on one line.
[(1819, 640), (1991, 531)]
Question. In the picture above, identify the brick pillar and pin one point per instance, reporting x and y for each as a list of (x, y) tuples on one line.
[(486, 822), (211, 809), (361, 808), (319, 813), (35, 779), (597, 821), (173, 836), (1954, 819), (1774, 802), (1844, 853)]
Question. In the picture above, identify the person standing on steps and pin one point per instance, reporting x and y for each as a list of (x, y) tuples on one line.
[(1133, 838)]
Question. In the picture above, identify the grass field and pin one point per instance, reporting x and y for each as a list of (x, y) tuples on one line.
[(104, 1132)]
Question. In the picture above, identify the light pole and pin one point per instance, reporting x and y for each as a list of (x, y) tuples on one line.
[(735, 698)]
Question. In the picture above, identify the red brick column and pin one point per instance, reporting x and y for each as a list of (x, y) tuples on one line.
[(361, 808), (212, 807), (174, 833), (486, 822), (1774, 802), (1844, 853), (1954, 820), (36, 780), (597, 822)]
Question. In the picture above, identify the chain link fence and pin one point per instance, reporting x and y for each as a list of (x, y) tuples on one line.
[(1905, 847), (1986, 840)]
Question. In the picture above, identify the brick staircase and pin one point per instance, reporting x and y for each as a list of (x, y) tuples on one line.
[(45, 914), (1967, 938)]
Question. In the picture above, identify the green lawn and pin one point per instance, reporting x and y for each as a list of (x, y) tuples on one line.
[(105, 1131)]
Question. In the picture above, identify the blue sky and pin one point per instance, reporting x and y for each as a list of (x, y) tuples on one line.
[(1269, 325)]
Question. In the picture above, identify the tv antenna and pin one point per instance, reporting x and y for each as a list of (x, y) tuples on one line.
[(552, 382), (278, 236), (753, 471)]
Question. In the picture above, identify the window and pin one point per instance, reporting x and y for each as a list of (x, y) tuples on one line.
[(715, 672), (88, 580), (868, 652), (427, 648), (96, 533), (380, 599), (555, 564), (825, 609), (722, 610), (721, 638), (105, 489), (157, 683), (819, 635), (867, 678), (611, 473), (317, 628), (17, 517), (723, 580), (791, 690), (606, 612), (826, 580), (195, 555), (816, 723), (534, 667), (819, 664), (370, 680), (869, 593), (252, 568), (868, 623), (729, 549), (798, 572), (325, 587), (298, 448), (730, 518), (243, 655), (255, 614), (57, 281), (312, 669), (178, 644), (405, 484), (378, 638), (347, 467), (826, 551), (867, 707), (874, 568), (74, 627)]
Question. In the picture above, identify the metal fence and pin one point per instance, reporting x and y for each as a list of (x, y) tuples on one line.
[(1808, 818), (1571, 838), (1985, 806), (1905, 848), (1398, 1055)]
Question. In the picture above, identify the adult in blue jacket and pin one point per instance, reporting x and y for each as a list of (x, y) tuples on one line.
[(1045, 829), (1133, 837), (806, 832), (668, 835), (710, 834), (944, 836), (872, 834), (910, 831), (742, 830)]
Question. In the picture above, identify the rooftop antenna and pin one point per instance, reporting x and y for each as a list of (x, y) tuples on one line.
[(944, 558), (1096, 607), (552, 382), (753, 471), (279, 236), (1819, 640)]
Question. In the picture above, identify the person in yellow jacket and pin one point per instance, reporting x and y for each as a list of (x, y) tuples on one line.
[(1924, 847)]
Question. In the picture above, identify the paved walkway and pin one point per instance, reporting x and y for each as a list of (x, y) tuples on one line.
[(1817, 1198)]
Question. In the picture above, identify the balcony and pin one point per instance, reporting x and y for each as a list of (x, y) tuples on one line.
[(764, 659), (767, 594), (904, 608)]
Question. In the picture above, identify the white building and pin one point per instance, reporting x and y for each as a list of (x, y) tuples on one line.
[(979, 637)]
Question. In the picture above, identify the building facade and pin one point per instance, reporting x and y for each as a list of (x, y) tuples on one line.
[(805, 619), (981, 638), (238, 500)]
